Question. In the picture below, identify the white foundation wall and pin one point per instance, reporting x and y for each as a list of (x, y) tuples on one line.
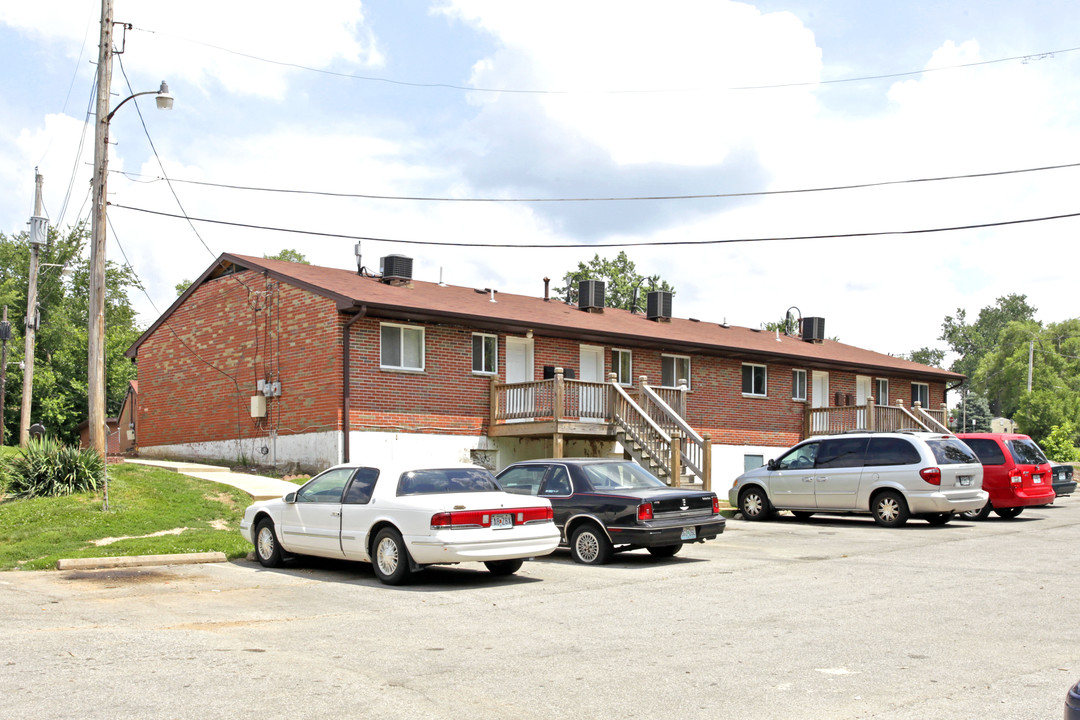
[(308, 452), (728, 463)]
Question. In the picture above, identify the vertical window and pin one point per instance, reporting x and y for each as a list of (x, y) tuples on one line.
[(622, 367), (673, 369), (881, 394), (402, 347), (754, 380), (920, 393), (485, 353), (752, 462), (798, 385)]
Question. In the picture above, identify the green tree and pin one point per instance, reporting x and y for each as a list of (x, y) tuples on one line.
[(973, 341), (927, 356), (1060, 444), (620, 277), (182, 286), (60, 354), (973, 414), (288, 256)]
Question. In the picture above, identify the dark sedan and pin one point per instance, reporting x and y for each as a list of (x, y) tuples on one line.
[(607, 506), (1063, 479)]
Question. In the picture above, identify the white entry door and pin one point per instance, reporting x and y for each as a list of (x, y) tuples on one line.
[(520, 401), (862, 392), (591, 401), (819, 398)]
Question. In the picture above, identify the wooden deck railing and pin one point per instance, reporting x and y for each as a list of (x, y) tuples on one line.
[(881, 418), (642, 429), (660, 404)]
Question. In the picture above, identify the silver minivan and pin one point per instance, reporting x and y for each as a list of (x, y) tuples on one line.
[(891, 475)]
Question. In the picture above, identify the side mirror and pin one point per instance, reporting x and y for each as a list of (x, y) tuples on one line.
[(290, 498), (772, 465)]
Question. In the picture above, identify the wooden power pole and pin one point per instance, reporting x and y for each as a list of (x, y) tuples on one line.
[(5, 335), (39, 234)]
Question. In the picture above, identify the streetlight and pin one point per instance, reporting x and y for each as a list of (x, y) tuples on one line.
[(96, 327)]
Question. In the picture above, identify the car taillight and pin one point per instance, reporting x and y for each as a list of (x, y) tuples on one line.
[(1015, 477), (644, 511), (715, 505), (465, 519), (931, 475)]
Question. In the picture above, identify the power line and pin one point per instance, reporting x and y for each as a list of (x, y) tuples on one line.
[(701, 196), (450, 86), (657, 243)]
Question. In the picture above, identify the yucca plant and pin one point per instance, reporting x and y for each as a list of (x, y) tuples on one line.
[(47, 468)]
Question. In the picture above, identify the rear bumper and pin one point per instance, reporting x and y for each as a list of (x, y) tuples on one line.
[(455, 546), (654, 535), (1024, 497), (943, 502), (1065, 488)]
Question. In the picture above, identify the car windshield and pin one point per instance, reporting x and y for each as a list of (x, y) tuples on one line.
[(951, 451), (450, 480), (616, 476), (1026, 452)]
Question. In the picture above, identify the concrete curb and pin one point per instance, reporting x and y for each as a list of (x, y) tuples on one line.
[(139, 560)]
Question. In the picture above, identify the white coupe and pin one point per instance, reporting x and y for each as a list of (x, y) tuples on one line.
[(401, 519)]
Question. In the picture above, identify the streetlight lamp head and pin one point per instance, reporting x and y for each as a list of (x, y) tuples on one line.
[(164, 99)]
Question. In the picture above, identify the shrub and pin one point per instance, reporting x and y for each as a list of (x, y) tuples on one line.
[(47, 468), (1060, 444)]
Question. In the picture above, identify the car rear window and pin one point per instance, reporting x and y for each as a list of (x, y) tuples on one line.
[(951, 451), (1026, 452), (452, 480), (617, 476), (891, 451), (988, 450)]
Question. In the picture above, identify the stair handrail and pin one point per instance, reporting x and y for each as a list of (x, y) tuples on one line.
[(645, 422), (689, 434), (918, 422), (933, 420)]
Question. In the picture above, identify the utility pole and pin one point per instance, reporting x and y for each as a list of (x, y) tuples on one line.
[(5, 335), (39, 233), (96, 328), (1031, 361)]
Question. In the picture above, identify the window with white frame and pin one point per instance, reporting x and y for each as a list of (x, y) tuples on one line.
[(754, 380), (674, 368), (622, 366), (402, 347), (920, 393), (485, 353), (881, 392), (798, 385)]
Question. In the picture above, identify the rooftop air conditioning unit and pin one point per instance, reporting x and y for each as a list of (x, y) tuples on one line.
[(658, 305), (590, 294), (396, 267), (813, 329)]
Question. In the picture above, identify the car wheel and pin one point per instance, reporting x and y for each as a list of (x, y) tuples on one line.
[(503, 567), (389, 558), (665, 551), (754, 504), (590, 546), (889, 509), (267, 549), (802, 514), (1009, 513), (979, 514), (939, 518)]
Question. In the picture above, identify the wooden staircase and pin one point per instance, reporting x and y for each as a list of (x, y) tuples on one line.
[(654, 434)]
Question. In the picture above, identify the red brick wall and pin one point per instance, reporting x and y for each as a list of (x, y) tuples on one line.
[(248, 328)]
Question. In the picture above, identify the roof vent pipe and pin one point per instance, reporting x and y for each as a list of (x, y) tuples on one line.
[(547, 292)]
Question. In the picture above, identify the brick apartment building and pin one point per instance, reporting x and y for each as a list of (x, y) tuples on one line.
[(276, 362)]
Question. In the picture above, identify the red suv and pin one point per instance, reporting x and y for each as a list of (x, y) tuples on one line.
[(1015, 473)]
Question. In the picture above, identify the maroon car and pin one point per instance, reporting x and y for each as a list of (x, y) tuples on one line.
[(1016, 474)]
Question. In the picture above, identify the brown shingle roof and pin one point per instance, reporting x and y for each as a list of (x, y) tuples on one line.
[(426, 302)]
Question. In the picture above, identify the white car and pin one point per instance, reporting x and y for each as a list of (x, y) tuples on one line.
[(401, 519)]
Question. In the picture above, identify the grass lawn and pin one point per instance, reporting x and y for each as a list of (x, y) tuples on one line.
[(36, 532)]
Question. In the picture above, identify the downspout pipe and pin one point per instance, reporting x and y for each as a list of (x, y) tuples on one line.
[(346, 346)]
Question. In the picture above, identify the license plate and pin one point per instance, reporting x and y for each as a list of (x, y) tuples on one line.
[(1037, 479), (963, 480), (1061, 477), (689, 533), (502, 521)]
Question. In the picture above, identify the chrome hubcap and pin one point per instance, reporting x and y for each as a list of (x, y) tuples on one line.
[(887, 509), (387, 556), (752, 504), (588, 547), (266, 542)]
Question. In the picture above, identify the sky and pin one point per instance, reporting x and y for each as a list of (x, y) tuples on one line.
[(447, 121)]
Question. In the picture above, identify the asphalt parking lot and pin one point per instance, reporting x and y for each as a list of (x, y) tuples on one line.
[(830, 618)]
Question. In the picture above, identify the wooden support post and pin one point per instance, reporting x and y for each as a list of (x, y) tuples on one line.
[(494, 401), (944, 415), (676, 458), (557, 445), (560, 388), (870, 419), (706, 461)]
